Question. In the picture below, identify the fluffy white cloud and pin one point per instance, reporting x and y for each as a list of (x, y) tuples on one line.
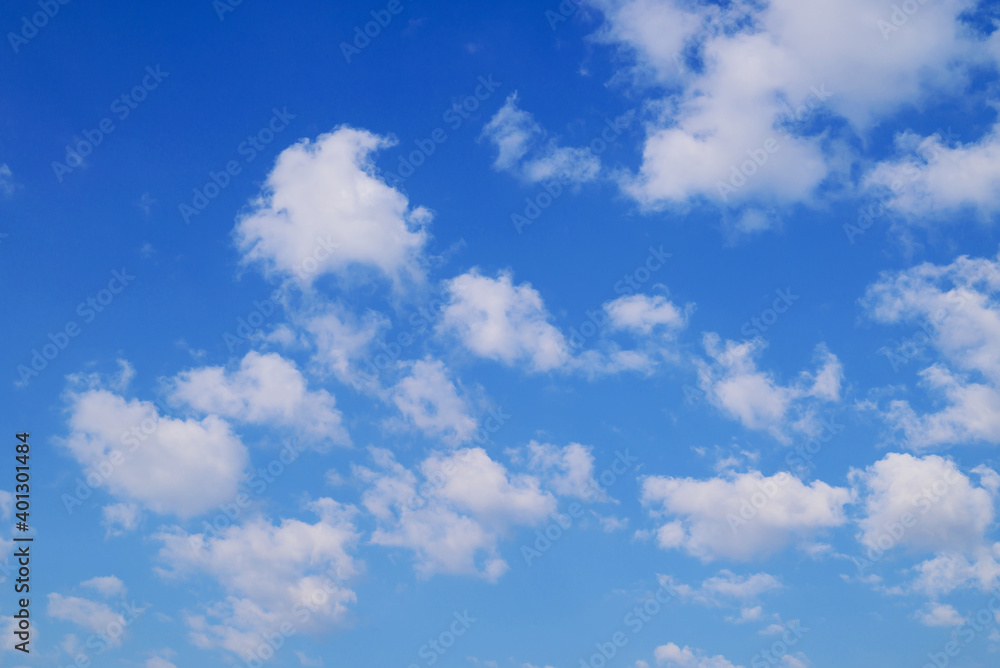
[(120, 518), (271, 573), (956, 306), (734, 384), (727, 588), (498, 320), (266, 389), (95, 617), (454, 519), (741, 516), (567, 471), (520, 149), (677, 657), (324, 210), (933, 179), (737, 74), (167, 465), (106, 586), (429, 400), (342, 340), (643, 313), (939, 614), (923, 504)]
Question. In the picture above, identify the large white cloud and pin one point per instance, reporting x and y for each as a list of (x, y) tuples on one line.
[(272, 574), (166, 464), (956, 307), (266, 389), (734, 384), (498, 320), (741, 516), (324, 210), (454, 513)]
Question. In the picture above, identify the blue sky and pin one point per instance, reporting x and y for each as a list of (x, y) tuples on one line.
[(534, 335)]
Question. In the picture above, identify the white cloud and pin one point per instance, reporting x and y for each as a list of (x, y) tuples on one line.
[(106, 586), (741, 516), (734, 74), (324, 210), (7, 185), (266, 389), (120, 518), (727, 588), (95, 617), (939, 614), (454, 519), (922, 503), (734, 384), (167, 465), (521, 149), (642, 313), (957, 308), (676, 657), (497, 320), (270, 573), (428, 398), (342, 340), (567, 471), (933, 179)]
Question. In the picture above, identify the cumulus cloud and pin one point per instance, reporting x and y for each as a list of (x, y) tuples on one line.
[(643, 313), (271, 574), (324, 210), (567, 471), (933, 179), (98, 618), (107, 586), (120, 518), (498, 320), (430, 401), (677, 657), (168, 465), (522, 149), (266, 389), (732, 75), (733, 383), (939, 614), (342, 340), (452, 514), (956, 307), (740, 516)]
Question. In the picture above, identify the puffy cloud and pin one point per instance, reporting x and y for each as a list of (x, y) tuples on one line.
[(342, 340), (497, 320), (324, 210), (741, 516), (643, 313), (454, 519), (922, 503), (939, 614), (736, 74), (167, 465), (266, 389), (95, 617), (957, 308), (429, 400), (933, 179), (727, 588), (106, 586), (568, 471), (120, 518), (271, 573), (734, 384), (676, 657), (515, 134)]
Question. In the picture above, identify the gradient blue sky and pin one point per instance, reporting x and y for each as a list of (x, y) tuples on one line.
[(705, 291)]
